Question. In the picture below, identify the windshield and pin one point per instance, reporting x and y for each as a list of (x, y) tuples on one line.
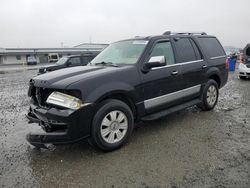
[(31, 58), (62, 61), (123, 52)]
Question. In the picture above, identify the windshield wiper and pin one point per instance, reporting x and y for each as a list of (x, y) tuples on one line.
[(107, 63)]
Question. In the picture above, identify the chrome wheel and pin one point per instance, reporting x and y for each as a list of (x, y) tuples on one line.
[(114, 127), (211, 95)]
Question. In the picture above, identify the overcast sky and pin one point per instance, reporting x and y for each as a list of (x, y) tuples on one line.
[(49, 23)]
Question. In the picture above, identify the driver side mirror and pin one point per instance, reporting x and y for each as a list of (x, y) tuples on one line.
[(156, 61)]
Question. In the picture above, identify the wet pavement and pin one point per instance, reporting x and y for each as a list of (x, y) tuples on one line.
[(11, 68), (186, 149)]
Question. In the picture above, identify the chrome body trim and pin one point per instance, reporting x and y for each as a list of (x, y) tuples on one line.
[(190, 62), (218, 57), (178, 64), (153, 102)]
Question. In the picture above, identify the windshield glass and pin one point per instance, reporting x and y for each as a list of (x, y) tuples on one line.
[(62, 61), (123, 52)]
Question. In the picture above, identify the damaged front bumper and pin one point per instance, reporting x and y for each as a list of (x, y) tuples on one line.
[(61, 126)]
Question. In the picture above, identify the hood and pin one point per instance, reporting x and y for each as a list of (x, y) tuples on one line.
[(41, 69), (60, 79), (49, 66)]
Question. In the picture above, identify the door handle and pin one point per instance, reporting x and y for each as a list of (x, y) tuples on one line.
[(204, 66), (174, 73)]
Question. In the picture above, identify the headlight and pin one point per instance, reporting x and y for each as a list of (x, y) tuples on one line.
[(64, 100)]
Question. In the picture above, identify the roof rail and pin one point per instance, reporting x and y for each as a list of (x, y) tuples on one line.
[(184, 33)]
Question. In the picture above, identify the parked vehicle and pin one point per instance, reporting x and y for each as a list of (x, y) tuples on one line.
[(244, 67), (31, 60), (53, 57), (69, 61), (133, 80)]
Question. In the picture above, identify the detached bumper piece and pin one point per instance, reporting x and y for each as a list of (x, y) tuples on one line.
[(60, 126), (40, 140)]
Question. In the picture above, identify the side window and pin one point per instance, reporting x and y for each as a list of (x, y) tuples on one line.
[(197, 51), (75, 60), (212, 46), (184, 50), (86, 59), (164, 49)]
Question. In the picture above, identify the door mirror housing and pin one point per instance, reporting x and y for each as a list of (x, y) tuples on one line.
[(156, 61)]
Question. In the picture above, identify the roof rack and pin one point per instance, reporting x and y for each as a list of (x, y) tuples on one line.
[(184, 33)]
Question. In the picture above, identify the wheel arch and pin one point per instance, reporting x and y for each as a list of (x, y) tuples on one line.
[(216, 78), (122, 96), (214, 74), (115, 90)]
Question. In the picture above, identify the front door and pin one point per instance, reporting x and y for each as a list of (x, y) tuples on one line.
[(161, 85)]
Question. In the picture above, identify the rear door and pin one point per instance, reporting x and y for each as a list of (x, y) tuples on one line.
[(193, 66), (161, 84)]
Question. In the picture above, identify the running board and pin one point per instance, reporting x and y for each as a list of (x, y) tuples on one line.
[(171, 110)]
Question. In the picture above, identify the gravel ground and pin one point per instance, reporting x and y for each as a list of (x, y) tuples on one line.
[(187, 149)]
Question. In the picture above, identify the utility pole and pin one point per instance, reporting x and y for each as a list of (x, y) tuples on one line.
[(90, 39)]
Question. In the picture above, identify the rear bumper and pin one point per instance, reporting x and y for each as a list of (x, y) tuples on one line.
[(31, 63), (60, 126)]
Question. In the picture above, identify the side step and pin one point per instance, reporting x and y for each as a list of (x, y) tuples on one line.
[(170, 110)]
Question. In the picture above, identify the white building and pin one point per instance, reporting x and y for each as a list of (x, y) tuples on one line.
[(20, 55)]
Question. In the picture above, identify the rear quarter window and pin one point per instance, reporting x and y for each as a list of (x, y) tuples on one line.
[(212, 47)]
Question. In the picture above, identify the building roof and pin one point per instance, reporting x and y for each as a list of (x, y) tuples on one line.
[(91, 45), (95, 48)]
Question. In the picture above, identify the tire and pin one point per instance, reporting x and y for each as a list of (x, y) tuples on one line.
[(112, 125), (209, 96)]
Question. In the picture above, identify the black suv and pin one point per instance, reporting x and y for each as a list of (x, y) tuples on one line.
[(68, 61), (143, 78)]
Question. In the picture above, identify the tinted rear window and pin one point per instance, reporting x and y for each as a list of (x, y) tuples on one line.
[(185, 50), (212, 47)]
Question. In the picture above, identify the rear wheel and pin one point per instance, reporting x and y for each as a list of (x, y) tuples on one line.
[(112, 125), (210, 95)]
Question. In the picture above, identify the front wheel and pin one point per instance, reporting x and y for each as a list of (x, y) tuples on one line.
[(112, 125), (209, 96)]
